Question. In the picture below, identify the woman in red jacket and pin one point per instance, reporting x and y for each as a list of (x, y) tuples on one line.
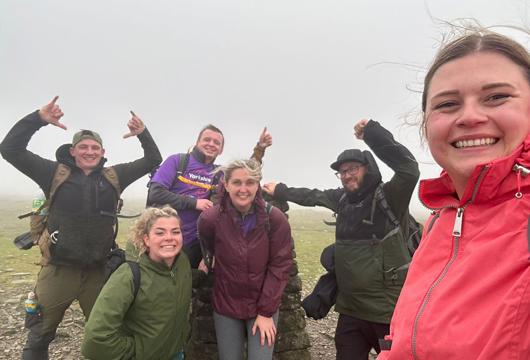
[(252, 255), (467, 293)]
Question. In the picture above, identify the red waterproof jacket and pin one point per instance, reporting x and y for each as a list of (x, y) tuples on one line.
[(251, 271), (467, 293)]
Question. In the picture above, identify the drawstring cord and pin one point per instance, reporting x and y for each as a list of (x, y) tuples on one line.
[(518, 194), (520, 170)]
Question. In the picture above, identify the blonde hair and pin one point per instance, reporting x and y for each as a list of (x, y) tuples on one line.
[(251, 166), (143, 225)]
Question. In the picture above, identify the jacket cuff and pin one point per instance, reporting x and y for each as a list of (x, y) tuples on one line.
[(35, 117), (280, 192)]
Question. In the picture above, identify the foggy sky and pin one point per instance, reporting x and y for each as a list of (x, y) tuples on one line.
[(306, 69)]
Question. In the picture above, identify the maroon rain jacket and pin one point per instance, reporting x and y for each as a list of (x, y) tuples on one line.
[(251, 270)]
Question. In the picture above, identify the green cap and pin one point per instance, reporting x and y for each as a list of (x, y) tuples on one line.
[(86, 134)]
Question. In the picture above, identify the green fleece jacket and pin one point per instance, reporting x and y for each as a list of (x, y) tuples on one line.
[(152, 326)]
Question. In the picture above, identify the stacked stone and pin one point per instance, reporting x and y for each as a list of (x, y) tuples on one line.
[(292, 341)]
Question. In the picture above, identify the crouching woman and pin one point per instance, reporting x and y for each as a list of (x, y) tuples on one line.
[(252, 250), (154, 324)]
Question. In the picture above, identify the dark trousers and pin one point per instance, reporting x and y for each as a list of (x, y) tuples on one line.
[(194, 254), (354, 338)]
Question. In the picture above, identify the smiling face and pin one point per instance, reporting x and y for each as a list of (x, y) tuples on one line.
[(477, 110), (164, 240), (87, 154), (242, 189), (210, 143), (351, 175)]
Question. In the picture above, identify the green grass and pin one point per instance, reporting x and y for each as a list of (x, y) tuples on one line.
[(309, 231)]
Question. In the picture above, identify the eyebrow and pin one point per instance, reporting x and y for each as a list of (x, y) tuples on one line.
[(496, 85), (164, 229), (485, 87)]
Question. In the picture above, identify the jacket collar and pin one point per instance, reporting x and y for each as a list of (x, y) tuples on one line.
[(159, 267), (488, 181), (199, 155)]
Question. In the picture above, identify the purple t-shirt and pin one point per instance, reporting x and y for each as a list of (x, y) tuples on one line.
[(196, 172), (247, 223)]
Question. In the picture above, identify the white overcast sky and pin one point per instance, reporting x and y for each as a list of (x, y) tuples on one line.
[(307, 69)]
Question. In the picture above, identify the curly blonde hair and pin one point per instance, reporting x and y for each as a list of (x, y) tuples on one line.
[(145, 222)]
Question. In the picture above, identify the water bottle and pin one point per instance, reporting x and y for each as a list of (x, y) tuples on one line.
[(37, 202), (30, 304)]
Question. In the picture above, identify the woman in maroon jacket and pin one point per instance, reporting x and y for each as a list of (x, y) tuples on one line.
[(252, 255)]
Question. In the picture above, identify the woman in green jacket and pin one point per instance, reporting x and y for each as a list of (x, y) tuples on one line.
[(154, 324)]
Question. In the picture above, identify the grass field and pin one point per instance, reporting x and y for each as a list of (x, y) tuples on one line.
[(309, 231)]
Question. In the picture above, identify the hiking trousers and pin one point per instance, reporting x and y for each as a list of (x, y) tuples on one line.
[(56, 288), (354, 338), (232, 334)]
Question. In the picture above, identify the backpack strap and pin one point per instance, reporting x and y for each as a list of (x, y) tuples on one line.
[(59, 177), (135, 269), (184, 160), (379, 197), (413, 227), (268, 209), (112, 176)]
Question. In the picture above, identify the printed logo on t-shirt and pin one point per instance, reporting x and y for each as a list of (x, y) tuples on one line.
[(198, 177)]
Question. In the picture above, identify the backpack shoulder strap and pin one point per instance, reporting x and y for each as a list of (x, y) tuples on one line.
[(135, 269), (112, 177), (59, 177), (268, 209), (184, 159), (110, 174), (379, 196)]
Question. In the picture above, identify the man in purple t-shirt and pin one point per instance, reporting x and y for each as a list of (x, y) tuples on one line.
[(189, 193)]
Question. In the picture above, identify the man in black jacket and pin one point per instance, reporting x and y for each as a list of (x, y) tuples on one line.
[(371, 255), (79, 232)]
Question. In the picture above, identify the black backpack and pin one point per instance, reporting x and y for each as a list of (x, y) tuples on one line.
[(116, 258), (415, 229)]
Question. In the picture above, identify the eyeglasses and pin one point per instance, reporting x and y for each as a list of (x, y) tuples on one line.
[(349, 171)]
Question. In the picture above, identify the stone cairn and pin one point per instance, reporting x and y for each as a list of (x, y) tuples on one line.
[(292, 341)]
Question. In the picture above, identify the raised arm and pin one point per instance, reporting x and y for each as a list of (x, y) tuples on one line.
[(399, 189), (264, 141), (303, 196), (14, 146), (132, 171)]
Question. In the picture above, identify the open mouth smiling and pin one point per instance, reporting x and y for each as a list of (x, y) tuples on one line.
[(460, 144)]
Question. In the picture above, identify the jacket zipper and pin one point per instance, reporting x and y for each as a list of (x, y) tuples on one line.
[(456, 234)]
